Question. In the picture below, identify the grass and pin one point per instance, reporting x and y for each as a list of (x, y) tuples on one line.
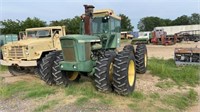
[(137, 95), (3, 68), (87, 91), (180, 100), (46, 106), (167, 69), (165, 84), (29, 89), (154, 95), (82, 100)]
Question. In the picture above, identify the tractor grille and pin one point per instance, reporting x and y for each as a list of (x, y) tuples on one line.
[(69, 50), (16, 52)]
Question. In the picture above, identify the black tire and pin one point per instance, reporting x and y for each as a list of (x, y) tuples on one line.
[(104, 71), (45, 68), (124, 76), (129, 47), (15, 70), (141, 58), (62, 78), (1, 55), (37, 69)]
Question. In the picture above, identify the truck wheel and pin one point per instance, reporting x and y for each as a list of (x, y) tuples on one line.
[(63, 77), (141, 58), (124, 76), (45, 69), (15, 70), (1, 55), (37, 68), (104, 72)]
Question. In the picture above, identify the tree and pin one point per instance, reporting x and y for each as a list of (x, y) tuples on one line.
[(14, 27), (194, 18), (10, 26), (125, 23), (182, 20), (148, 23), (32, 23), (72, 25)]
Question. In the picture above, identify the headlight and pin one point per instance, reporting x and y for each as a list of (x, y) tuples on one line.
[(27, 53)]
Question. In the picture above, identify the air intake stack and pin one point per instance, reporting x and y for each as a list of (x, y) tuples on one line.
[(88, 19)]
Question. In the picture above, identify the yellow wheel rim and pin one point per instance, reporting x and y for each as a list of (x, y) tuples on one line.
[(73, 75), (111, 71), (131, 73), (145, 60)]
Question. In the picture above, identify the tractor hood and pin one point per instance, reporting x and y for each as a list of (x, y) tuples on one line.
[(81, 38)]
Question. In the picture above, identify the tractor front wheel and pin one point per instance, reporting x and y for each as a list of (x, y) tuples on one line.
[(45, 68), (124, 76), (63, 77), (104, 72)]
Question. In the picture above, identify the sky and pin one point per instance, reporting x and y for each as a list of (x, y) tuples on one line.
[(49, 10)]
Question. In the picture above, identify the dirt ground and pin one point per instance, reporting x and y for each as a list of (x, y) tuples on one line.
[(145, 83)]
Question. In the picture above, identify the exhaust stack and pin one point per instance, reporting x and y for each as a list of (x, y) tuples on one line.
[(88, 19)]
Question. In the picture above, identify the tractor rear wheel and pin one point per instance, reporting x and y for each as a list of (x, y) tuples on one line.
[(63, 77), (45, 68), (141, 59), (124, 76), (104, 72), (15, 70)]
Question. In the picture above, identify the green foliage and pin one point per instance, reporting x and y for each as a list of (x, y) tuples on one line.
[(149, 23), (14, 27), (72, 25), (167, 69), (125, 23), (46, 106), (181, 101), (182, 20), (195, 18), (30, 89)]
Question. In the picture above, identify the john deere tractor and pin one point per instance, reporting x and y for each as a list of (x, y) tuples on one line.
[(94, 53)]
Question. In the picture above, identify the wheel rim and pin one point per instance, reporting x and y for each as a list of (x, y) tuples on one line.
[(111, 71), (73, 76), (131, 73), (145, 60)]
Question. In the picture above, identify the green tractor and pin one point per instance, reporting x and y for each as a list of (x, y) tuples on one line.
[(94, 53)]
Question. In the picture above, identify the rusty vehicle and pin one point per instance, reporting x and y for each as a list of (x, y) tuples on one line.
[(27, 54), (187, 56)]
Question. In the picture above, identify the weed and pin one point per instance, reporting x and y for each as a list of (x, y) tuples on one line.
[(30, 89), (165, 84), (137, 95), (167, 69), (46, 106), (80, 101), (154, 95), (181, 101)]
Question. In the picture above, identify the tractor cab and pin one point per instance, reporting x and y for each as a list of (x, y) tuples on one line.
[(103, 24)]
